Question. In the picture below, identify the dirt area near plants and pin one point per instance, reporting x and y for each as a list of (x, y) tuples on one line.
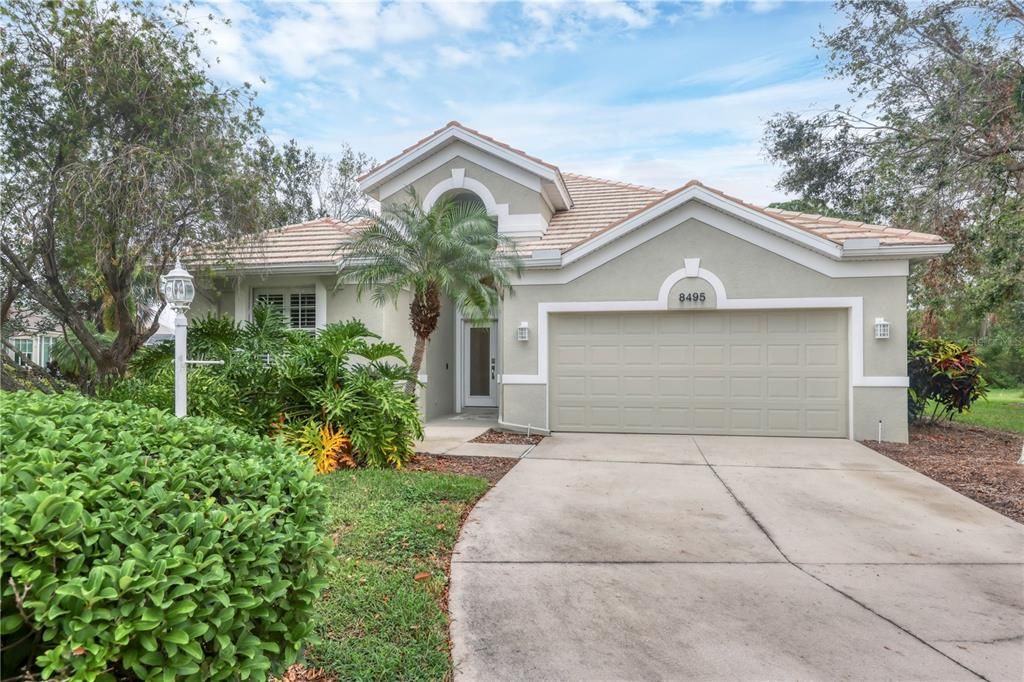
[(489, 468), (506, 438), (977, 462)]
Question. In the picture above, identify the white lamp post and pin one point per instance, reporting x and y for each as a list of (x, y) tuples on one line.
[(179, 291)]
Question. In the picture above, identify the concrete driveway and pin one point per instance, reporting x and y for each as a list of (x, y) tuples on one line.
[(624, 557)]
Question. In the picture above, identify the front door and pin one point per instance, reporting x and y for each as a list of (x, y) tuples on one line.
[(479, 364)]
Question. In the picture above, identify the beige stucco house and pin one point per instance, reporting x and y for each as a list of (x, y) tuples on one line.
[(639, 310)]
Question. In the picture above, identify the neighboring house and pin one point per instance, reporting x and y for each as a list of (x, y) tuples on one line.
[(639, 310), (33, 338)]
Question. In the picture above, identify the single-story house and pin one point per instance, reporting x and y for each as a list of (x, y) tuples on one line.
[(639, 309)]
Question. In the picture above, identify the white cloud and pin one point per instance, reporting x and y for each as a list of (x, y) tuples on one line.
[(709, 8), (739, 73), (464, 15), (764, 6), (300, 38), (507, 50), (454, 56), (226, 47), (404, 66), (632, 16), (664, 143)]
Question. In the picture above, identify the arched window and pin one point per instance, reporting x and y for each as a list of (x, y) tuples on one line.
[(464, 196)]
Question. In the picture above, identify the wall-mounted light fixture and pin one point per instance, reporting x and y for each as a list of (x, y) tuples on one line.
[(523, 331), (882, 328)]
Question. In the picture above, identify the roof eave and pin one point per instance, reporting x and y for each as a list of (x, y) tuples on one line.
[(318, 268), (373, 180), (898, 251)]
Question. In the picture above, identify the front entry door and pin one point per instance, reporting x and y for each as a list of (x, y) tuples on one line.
[(479, 364)]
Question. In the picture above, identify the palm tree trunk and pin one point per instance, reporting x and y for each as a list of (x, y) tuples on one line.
[(424, 310), (418, 351)]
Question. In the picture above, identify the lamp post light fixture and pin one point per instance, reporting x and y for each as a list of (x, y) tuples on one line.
[(178, 291)]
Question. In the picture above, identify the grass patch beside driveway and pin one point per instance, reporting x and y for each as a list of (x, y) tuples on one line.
[(381, 616), (1002, 408)]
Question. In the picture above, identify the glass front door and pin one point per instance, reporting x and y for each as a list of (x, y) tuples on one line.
[(479, 370)]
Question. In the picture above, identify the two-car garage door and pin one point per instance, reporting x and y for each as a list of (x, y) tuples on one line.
[(777, 373)]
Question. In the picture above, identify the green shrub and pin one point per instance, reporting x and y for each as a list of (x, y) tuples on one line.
[(278, 380), (138, 544), (942, 374)]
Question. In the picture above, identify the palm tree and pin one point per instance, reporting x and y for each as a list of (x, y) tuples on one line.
[(452, 250)]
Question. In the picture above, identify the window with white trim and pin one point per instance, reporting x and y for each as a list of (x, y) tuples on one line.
[(297, 306), (46, 349), (24, 348)]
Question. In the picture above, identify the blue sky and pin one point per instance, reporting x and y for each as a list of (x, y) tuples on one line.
[(652, 93)]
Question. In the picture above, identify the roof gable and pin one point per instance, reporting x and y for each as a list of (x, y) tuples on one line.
[(552, 183)]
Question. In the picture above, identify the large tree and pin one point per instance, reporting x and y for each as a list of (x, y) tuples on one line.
[(310, 185), (452, 250), (117, 152), (932, 140)]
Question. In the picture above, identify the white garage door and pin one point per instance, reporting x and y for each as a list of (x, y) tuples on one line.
[(776, 373)]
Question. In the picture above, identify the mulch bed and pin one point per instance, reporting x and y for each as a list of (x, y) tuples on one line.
[(506, 438), (976, 462), (490, 468)]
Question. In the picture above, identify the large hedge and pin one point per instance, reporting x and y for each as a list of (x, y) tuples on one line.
[(138, 544)]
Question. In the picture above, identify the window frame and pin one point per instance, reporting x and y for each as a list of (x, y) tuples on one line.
[(286, 294), (46, 344), (18, 352)]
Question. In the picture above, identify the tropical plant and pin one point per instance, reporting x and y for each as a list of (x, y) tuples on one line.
[(138, 545), (452, 250), (328, 447), (945, 378), (307, 388), (73, 360)]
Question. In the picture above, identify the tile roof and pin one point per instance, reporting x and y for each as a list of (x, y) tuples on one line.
[(312, 243), (599, 205)]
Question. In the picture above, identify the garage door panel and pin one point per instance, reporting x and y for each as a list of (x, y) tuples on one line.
[(745, 355), (741, 372)]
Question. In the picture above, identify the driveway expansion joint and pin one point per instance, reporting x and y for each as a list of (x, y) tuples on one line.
[(829, 586)]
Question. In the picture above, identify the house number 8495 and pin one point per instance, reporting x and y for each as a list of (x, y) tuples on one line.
[(692, 297)]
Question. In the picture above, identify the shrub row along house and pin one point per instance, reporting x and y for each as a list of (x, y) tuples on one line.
[(637, 309)]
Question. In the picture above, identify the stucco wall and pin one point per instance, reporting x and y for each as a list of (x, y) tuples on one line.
[(440, 365), (520, 198), (747, 271)]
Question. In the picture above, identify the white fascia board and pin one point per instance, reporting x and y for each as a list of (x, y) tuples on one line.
[(911, 251), (715, 218), (427, 147), (695, 193), (417, 170), (282, 269)]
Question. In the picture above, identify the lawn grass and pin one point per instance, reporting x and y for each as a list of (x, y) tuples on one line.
[(376, 621), (1002, 409)]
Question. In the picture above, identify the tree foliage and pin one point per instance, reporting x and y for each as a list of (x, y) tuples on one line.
[(116, 152), (452, 250), (309, 185), (933, 140)]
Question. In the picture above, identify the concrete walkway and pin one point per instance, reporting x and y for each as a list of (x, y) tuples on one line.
[(452, 435), (608, 557)]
